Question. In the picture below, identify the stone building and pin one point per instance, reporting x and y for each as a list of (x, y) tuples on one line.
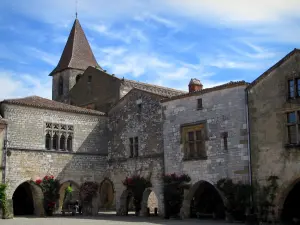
[(2, 146), (273, 102), (205, 136)]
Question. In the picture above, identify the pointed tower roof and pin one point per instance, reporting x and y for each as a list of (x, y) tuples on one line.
[(77, 53)]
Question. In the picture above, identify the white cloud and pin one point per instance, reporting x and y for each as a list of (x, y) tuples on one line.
[(47, 57), (15, 85)]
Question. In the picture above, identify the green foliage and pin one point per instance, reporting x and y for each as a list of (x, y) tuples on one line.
[(265, 196), (174, 186), (69, 190), (238, 197), (137, 185), (3, 200)]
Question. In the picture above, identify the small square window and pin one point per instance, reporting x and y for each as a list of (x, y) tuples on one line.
[(89, 79), (199, 103), (139, 108)]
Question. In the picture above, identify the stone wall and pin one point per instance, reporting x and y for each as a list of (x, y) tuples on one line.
[(223, 111), (127, 120), (268, 106), (69, 78), (2, 138), (28, 158)]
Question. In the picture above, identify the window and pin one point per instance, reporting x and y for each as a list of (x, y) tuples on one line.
[(62, 144), (78, 77), (294, 88), (60, 86), (131, 147), (199, 103), (134, 147), (225, 143), (139, 108), (293, 127), (55, 142), (89, 79), (69, 143), (194, 141), (62, 138), (48, 141)]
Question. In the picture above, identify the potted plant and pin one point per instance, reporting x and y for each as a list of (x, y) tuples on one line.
[(88, 191), (50, 188)]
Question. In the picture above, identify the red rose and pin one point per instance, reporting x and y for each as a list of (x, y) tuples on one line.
[(38, 182)]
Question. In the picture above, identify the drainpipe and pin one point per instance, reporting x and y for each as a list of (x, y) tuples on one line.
[(249, 148), (4, 154)]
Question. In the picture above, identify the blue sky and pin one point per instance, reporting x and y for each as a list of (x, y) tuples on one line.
[(164, 42)]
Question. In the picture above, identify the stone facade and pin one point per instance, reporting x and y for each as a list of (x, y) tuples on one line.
[(28, 158), (268, 107), (2, 138), (69, 80), (222, 111), (138, 114)]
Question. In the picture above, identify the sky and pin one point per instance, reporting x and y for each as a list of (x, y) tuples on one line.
[(162, 42)]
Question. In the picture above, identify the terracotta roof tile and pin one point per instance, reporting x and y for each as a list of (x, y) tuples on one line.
[(43, 103), (77, 53), (207, 90)]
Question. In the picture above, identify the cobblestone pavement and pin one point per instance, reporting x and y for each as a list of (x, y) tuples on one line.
[(106, 220)]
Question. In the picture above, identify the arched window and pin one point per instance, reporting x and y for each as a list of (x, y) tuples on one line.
[(60, 86), (48, 141), (78, 77), (62, 145), (69, 143), (55, 142)]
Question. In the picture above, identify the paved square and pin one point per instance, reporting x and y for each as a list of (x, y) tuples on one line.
[(103, 220)]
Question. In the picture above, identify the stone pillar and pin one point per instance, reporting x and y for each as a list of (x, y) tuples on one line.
[(185, 209), (9, 214)]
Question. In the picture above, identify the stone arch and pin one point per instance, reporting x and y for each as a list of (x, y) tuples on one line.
[(196, 191), (106, 194), (125, 198), (27, 199), (75, 193), (150, 201), (286, 194)]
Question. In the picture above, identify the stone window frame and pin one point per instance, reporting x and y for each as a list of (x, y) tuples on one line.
[(61, 130), (194, 127), (199, 103), (133, 147), (295, 87)]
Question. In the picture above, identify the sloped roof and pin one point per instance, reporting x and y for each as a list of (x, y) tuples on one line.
[(43, 103), (77, 53), (276, 65), (155, 89), (230, 84), (129, 92)]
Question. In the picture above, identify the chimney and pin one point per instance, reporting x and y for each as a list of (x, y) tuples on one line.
[(195, 85)]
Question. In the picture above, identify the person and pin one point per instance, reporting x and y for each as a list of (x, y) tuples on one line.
[(77, 207)]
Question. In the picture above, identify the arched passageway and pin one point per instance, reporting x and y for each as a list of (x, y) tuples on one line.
[(107, 195), (149, 202), (23, 200), (65, 198), (204, 201), (291, 206)]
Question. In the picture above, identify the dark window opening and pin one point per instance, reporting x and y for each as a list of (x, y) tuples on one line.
[(48, 142), (131, 147), (140, 108), (199, 103), (60, 86), (89, 79), (136, 146), (69, 143), (55, 142), (62, 145), (225, 143), (78, 77)]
